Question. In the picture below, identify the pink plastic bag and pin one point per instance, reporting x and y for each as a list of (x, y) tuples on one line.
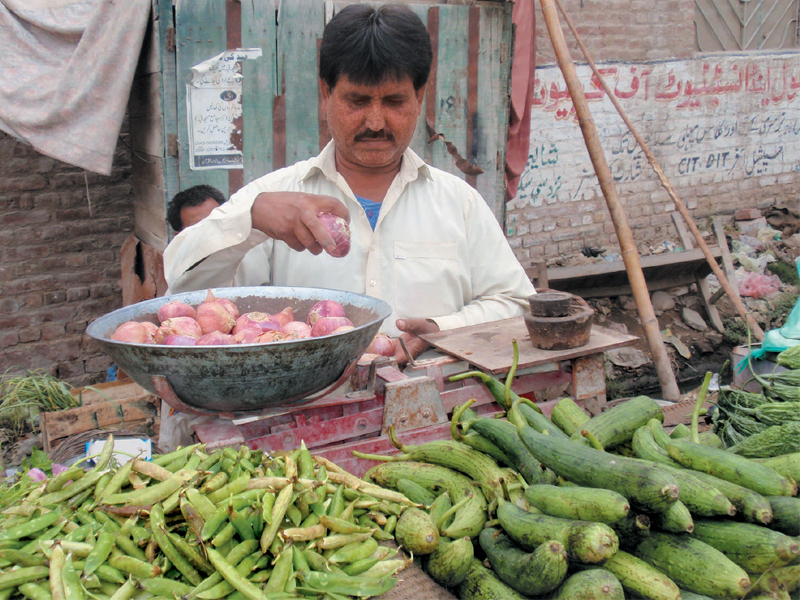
[(758, 286)]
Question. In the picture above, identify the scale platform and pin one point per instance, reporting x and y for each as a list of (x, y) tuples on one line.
[(420, 400)]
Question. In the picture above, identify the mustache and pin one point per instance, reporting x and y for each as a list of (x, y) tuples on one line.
[(374, 135)]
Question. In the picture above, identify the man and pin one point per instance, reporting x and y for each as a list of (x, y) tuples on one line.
[(430, 248), (192, 205)]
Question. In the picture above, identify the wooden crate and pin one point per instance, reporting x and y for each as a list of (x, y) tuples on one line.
[(118, 405)]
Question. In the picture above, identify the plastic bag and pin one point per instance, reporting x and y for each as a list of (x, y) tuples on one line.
[(755, 285), (778, 340)]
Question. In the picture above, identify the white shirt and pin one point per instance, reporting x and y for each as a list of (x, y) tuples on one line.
[(437, 250)]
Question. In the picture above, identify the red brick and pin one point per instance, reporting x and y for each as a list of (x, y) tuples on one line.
[(30, 334), (747, 214)]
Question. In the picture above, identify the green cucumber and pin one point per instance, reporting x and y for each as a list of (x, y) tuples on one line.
[(618, 424), (568, 416), (481, 584), (416, 532), (469, 518), (788, 577), (631, 530), (415, 492), (648, 485), (587, 504), (694, 565), (785, 514), (449, 563), (787, 465), (504, 435), (585, 541), (677, 519), (645, 447), (640, 578), (752, 547), (594, 584), (751, 505), (532, 574), (680, 431), (731, 467), (541, 423), (700, 497)]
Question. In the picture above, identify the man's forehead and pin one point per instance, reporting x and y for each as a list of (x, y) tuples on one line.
[(388, 83)]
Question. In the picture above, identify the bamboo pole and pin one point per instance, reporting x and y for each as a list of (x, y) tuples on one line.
[(630, 255), (679, 205)]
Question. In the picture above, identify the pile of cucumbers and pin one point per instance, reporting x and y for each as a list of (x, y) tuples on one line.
[(578, 508)]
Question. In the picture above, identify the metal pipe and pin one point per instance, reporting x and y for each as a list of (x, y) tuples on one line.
[(630, 255)]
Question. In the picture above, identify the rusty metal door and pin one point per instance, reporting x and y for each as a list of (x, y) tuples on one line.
[(465, 114)]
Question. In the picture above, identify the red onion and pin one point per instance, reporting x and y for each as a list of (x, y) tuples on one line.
[(216, 338), (247, 334), (179, 340), (151, 331), (296, 330), (382, 345), (133, 332), (342, 329), (327, 325), (340, 232), (269, 337), (324, 308), (186, 326), (175, 308), (284, 317), (58, 468), (37, 474), (232, 308), (213, 315), (260, 319)]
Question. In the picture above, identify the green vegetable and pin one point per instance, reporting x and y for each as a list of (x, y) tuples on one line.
[(595, 584), (568, 416)]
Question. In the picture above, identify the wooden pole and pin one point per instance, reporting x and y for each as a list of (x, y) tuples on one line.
[(630, 255), (679, 205)]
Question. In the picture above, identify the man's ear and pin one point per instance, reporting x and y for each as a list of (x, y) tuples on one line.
[(324, 92), (420, 94)]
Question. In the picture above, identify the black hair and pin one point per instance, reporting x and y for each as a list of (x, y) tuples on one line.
[(193, 196), (369, 44)]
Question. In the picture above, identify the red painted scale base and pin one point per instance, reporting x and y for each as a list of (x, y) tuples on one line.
[(418, 403)]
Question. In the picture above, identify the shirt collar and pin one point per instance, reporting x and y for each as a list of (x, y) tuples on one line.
[(411, 167)]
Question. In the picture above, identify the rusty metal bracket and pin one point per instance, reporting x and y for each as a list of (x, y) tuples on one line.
[(170, 41), (412, 403)]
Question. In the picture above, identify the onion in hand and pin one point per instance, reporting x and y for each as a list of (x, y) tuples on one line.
[(340, 232)]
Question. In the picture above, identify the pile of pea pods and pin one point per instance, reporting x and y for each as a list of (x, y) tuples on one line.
[(223, 524)]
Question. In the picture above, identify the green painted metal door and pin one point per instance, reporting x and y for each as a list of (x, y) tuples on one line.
[(462, 128)]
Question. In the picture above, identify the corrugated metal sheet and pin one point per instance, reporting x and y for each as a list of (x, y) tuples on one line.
[(724, 25)]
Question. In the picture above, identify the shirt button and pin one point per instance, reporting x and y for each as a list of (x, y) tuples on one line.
[(372, 282), (239, 235)]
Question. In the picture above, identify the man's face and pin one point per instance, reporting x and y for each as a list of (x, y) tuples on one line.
[(194, 214), (372, 125)]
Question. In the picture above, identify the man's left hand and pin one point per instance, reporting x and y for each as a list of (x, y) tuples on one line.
[(412, 329)]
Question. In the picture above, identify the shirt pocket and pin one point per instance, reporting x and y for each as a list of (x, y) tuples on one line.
[(427, 279)]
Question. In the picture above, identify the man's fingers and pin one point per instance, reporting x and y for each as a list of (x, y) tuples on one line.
[(329, 204), (306, 238), (321, 235)]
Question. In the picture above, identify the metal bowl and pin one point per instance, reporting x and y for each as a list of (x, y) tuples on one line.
[(250, 377)]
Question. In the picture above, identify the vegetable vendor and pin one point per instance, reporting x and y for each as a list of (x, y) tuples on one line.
[(423, 240)]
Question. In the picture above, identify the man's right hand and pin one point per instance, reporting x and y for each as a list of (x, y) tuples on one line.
[(292, 218)]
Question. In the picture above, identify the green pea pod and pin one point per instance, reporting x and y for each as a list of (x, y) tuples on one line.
[(166, 588), (172, 503), (361, 587), (101, 550), (249, 589), (261, 576), (305, 463), (203, 505), (102, 483), (49, 534), (105, 455), (391, 523), (224, 588), (57, 561), (165, 459), (84, 517), (22, 559), (360, 566), (193, 462), (109, 574), (278, 512), (294, 514), (233, 487), (230, 453), (336, 505), (246, 498), (125, 592), (267, 502), (281, 571), (153, 493), (354, 551), (105, 520), (74, 473), (15, 577), (193, 555), (132, 566), (299, 560), (214, 483), (158, 527), (209, 462), (81, 533), (224, 536), (72, 584), (253, 515), (192, 517), (34, 592), (340, 526), (30, 527), (314, 560)]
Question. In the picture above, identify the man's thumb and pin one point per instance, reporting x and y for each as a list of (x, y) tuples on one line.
[(401, 324)]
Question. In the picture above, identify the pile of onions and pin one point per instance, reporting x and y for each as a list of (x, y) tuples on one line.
[(217, 321)]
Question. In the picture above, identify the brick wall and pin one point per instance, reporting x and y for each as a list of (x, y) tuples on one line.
[(59, 259), (725, 129), (625, 30)]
